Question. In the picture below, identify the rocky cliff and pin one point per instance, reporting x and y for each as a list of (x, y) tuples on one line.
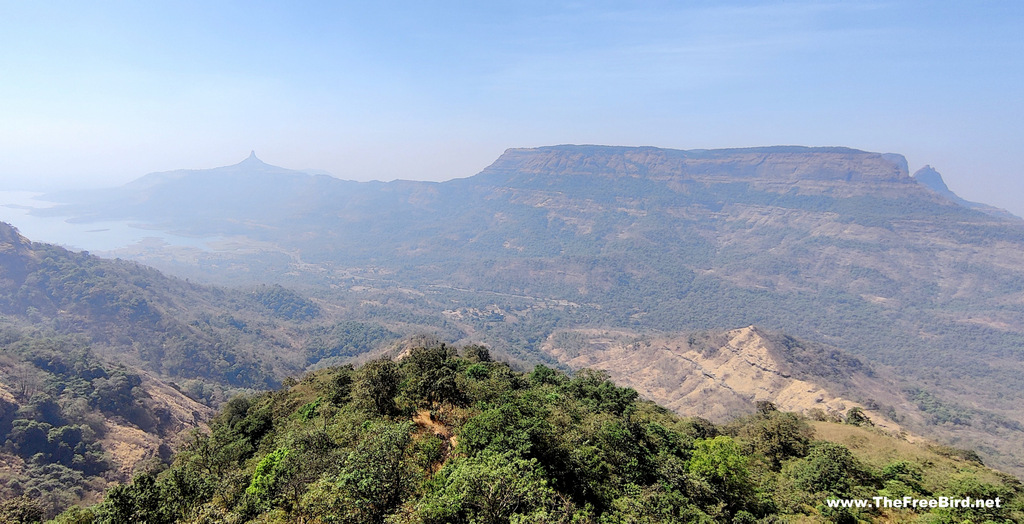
[(835, 171)]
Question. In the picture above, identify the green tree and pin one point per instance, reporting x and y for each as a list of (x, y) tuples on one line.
[(594, 389), (857, 417), (184, 488), (376, 386), (139, 501), (777, 436), (829, 469), (489, 488), (476, 353), (21, 510), (373, 480), (544, 375), (966, 485), (517, 425), (430, 375), (720, 464), (340, 386), (653, 505), (266, 477), (75, 515)]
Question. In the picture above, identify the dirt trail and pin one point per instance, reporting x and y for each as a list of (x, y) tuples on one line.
[(422, 418)]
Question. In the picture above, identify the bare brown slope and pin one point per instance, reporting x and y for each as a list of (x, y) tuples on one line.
[(131, 447), (721, 376)]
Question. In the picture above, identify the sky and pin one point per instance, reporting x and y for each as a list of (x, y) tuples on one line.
[(99, 93)]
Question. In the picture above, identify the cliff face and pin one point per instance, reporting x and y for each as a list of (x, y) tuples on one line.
[(838, 171)]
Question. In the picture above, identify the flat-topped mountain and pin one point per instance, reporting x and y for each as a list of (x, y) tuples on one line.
[(766, 164), (833, 245), (374, 219)]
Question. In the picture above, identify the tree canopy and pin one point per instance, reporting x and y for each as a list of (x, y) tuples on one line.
[(481, 443)]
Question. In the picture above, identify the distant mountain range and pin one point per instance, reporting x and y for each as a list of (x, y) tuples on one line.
[(833, 245)]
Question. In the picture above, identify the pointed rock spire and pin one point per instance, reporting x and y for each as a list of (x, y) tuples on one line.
[(252, 160)]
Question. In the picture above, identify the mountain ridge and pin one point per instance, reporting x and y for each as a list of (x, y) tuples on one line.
[(771, 161), (717, 375), (837, 246)]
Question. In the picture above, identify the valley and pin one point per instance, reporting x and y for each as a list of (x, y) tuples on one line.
[(818, 279)]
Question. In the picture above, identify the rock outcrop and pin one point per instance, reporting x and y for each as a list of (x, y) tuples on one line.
[(931, 179)]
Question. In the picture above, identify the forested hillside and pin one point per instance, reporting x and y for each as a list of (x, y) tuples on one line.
[(213, 340), (104, 363), (438, 438)]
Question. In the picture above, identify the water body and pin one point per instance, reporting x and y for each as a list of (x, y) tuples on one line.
[(16, 208)]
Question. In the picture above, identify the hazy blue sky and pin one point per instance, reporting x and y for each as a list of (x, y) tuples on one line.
[(99, 93)]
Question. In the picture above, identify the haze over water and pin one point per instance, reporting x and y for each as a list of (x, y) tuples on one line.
[(16, 209)]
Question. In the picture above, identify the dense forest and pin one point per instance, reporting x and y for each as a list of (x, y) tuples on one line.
[(58, 403), (436, 437)]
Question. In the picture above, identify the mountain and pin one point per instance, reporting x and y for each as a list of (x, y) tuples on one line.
[(106, 366), (931, 179), (215, 340), (832, 245), (169, 326), (72, 421), (717, 375), (436, 438)]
